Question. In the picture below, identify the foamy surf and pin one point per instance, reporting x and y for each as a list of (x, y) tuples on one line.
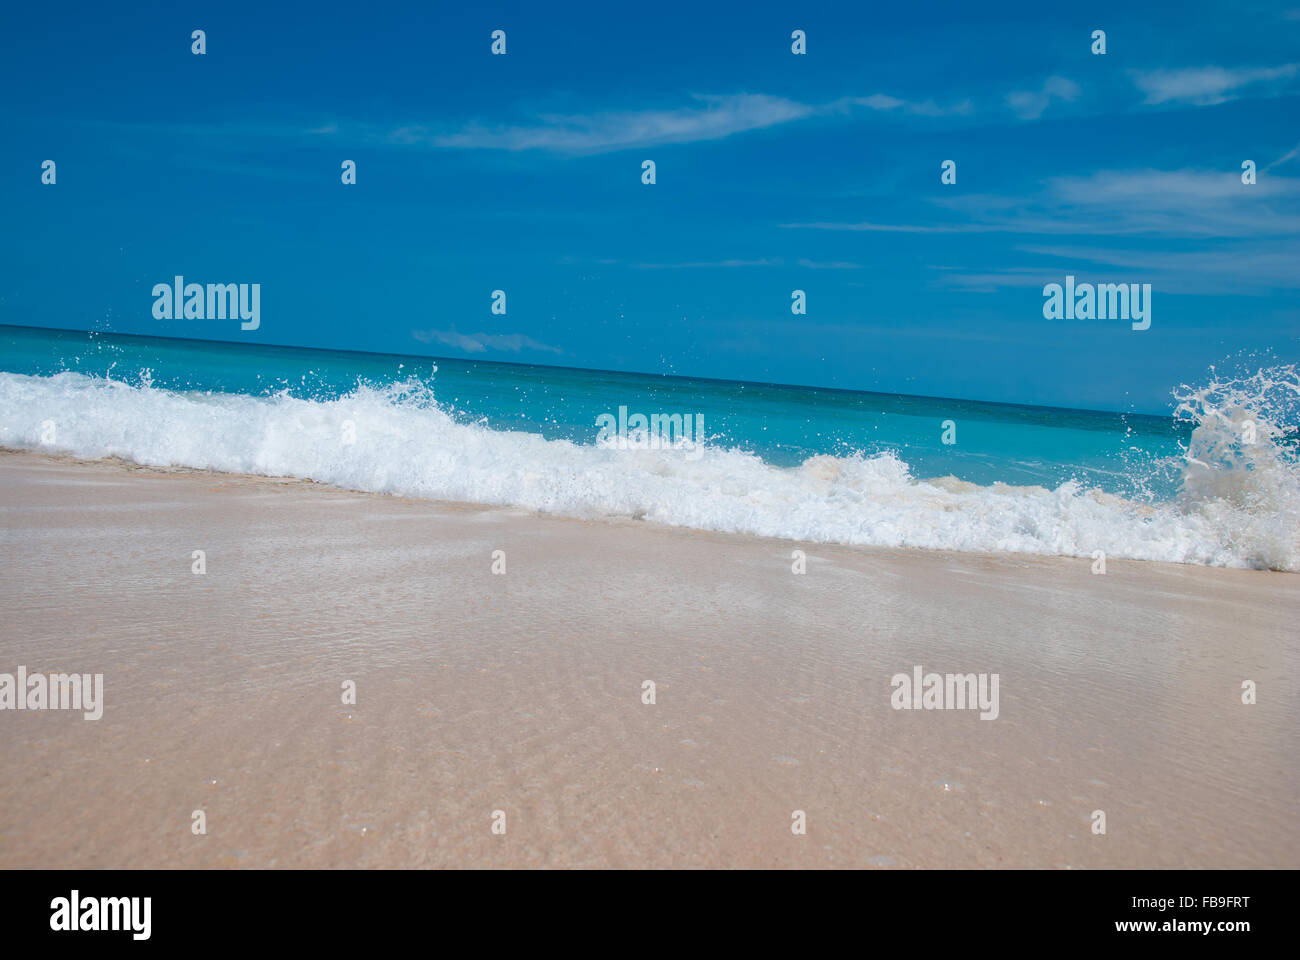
[(1238, 505)]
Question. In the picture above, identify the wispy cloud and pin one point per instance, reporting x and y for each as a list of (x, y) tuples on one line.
[(706, 263), (804, 262), (1207, 86), (1285, 158), (884, 102), (482, 342), (829, 265), (1251, 269), (1171, 203), (1188, 203), (865, 227), (1278, 265), (990, 281), (706, 117), (710, 117), (1165, 189), (1030, 104)]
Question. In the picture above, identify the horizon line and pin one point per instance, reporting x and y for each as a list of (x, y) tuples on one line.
[(557, 366)]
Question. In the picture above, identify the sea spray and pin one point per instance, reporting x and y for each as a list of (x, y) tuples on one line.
[(1241, 461)]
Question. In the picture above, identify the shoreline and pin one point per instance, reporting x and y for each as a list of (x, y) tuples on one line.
[(522, 691)]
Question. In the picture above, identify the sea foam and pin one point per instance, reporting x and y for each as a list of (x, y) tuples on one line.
[(1238, 506)]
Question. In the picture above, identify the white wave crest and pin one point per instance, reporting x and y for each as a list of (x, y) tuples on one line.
[(406, 444)]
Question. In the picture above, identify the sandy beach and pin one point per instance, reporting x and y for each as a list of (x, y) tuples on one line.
[(522, 692)]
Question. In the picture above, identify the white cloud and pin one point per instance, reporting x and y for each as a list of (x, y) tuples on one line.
[(883, 102), (1188, 203), (712, 118), (1172, 203), (1285, 158), (829, 265), (1250, 269), (1029, 105), (1207, 86), (865, 227), (706, 263)]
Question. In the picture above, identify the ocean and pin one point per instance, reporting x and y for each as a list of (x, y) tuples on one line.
[(1215, 482)]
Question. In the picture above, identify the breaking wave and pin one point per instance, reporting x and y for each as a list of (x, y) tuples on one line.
[(1238, 500)]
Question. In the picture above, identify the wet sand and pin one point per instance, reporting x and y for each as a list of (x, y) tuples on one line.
[(522, 692)]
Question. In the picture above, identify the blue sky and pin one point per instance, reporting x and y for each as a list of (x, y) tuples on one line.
[(775, 172)]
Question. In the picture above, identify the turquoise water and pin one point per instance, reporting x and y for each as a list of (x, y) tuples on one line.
[(784, 425)]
